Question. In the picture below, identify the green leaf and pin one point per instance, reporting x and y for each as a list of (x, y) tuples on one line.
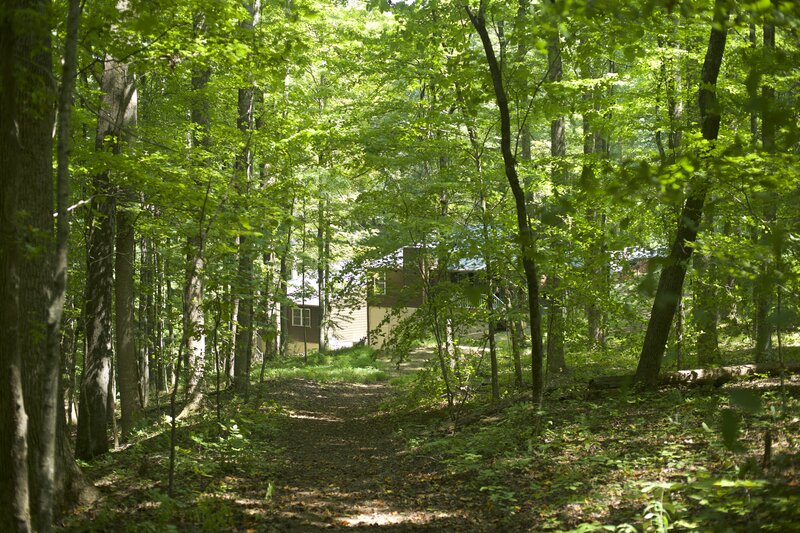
[(783, 318), (746, 400), (729, 426)]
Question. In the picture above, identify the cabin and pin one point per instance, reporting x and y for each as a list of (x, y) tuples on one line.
[(395, 289), (392, 292), (347, 325)]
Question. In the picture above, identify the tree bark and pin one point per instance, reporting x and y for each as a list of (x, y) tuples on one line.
[(14, 488), (323, 247), (117, 111), (283, 281), (764, 284), (594, 314), (246, 283), (527, 244), (516, 333), (193, 317), (33, 279), (670, 283), (53, 467), (147, 320), (705, 310), (700, 376), (39, 357), (194, 326), (92, 439), (126, 354), (558, 149), (244, 319)]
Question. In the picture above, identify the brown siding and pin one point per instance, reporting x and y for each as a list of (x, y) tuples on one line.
[(312, 333), (403, 289)]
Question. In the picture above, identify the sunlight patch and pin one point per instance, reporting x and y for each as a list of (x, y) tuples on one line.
[(385, 518), (315, 416)]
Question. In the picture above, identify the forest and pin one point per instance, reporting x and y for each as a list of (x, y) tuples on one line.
[(402, 265)]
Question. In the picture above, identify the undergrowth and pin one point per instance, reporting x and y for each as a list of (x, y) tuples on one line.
[(671, 460), (212, 461)]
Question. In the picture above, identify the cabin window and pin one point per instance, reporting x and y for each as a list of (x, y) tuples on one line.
[(379, 284), (301, 317)]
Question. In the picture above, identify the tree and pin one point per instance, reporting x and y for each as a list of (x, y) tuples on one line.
[(124, 302), (558, 149), (14, 489), (764, 286), (245, 281), (116, 114), (670, 282), (525, 234), (38, 469), (193, 317)]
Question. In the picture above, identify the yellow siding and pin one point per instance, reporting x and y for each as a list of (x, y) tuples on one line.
[(380, 332), (348, 327), (294, 347)]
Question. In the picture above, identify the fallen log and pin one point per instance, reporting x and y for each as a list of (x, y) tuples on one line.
[(699, 376)]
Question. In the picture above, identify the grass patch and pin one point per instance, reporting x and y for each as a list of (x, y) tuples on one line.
[(353, 365)]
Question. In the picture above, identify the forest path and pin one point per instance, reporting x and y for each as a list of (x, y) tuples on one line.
[(343, 469), (298, 455)]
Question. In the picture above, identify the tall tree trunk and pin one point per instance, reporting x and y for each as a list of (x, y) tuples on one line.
[(525, 234), (594, 313), (283, 281), (670, 283), (127, 368), (157, 365), (323, 246), (705, 311), (92, 439), (764, 284), (168, 356), (69, 345), (147, 320), (600, 273), (193, 318), (558, 149), (194, 326), (244, 329), (33, 278), (246, 283), (126, 353), (38, 310), (117, 111), (269, 302), (515, 333), (513, 294), (233, 325), (14, 488), (60, 482)]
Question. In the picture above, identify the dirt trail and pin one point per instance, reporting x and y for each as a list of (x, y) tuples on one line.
[(343, 470)]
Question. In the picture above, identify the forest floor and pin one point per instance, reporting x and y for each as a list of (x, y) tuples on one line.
[(324, 456), (307, 454), (343, 466)]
